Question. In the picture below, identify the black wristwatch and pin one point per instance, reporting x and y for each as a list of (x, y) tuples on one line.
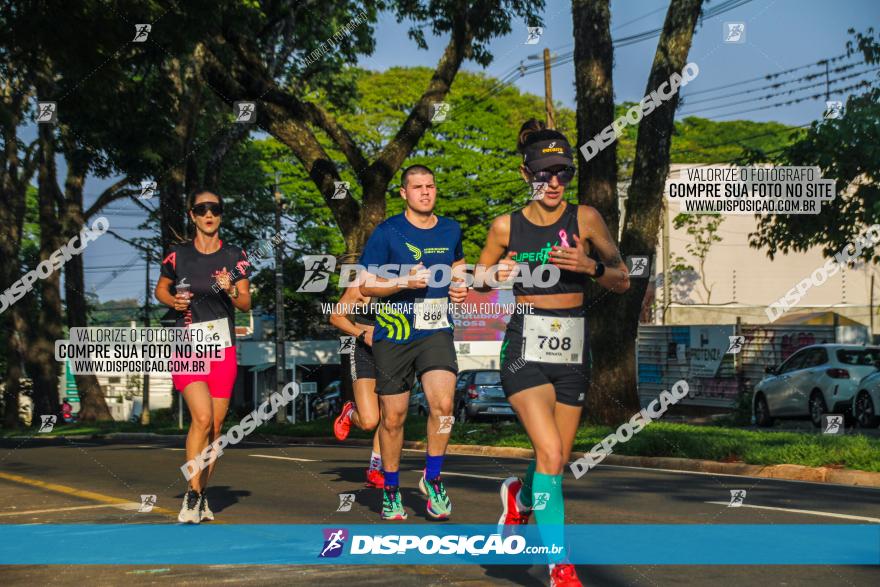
[(362, 336), (600, 270)]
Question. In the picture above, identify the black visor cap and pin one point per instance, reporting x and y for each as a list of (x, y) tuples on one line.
[(546, 154)]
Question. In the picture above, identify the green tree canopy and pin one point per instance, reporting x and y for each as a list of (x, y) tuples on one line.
[(846, 149)]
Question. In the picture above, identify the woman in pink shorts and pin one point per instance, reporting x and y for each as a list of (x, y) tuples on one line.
[(210, 281)]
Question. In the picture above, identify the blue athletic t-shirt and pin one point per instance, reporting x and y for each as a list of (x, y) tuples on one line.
[(397, 241)]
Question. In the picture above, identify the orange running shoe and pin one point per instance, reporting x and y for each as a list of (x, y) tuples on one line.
[(564, 576), (342, 424), (375, 479)]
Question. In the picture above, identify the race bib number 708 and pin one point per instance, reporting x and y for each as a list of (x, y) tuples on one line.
[(549, 339)]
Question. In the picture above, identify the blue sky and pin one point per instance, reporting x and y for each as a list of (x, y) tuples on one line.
[(779, 35)]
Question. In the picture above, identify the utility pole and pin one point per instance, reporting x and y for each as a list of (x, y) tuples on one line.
[(548, 91), (665, 260), (145, 394), (548, 86), (279, 304)]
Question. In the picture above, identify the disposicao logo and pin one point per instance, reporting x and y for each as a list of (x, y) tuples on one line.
[(334, 542)]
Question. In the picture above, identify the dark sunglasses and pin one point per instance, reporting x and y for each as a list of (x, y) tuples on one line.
[(564, 175), (215, 208)]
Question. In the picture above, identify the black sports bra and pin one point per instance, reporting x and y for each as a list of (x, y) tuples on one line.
[(532, 244)]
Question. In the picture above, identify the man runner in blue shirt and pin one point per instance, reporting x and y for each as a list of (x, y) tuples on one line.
[(413, 335)]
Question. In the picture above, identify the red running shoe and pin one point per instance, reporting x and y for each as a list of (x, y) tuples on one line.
[(375, 479), (342, 424), (513, 512), (564, 576)]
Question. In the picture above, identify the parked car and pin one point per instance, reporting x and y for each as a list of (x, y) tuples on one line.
[(418, 404), (866, 402), (328, 402), (478, 394), (816, 380)]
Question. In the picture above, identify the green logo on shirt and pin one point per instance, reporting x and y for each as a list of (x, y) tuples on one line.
[(417, 253), (396, 325), (540, 256)]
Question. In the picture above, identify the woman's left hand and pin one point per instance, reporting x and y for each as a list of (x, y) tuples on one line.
[(224, 280), (573, 258)]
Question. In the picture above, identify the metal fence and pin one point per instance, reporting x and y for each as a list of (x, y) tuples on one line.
[(699, 354)]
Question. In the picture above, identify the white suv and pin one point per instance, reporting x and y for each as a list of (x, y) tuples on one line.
[(812, 380), (866, 403)]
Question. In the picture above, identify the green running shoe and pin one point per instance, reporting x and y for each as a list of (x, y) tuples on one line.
[(439, 507), (392, 504)]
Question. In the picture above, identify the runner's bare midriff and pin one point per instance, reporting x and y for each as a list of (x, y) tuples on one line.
[(562, 301)]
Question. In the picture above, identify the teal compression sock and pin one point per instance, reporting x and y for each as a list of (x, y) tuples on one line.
[(525, 494), (549, 512)]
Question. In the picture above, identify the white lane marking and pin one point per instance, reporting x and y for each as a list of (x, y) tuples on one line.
[(66, 509), (770, 479), (449, 474), (806, 512), (175, 449), (286, 458), (822, 483)]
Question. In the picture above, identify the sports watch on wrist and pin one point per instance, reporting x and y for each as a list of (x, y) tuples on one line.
[(600, 270), (362, 336)]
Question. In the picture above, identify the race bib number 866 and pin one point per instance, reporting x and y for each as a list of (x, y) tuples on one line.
[(430, 314)]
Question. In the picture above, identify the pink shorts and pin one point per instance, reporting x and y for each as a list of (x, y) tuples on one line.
[(220, 380)]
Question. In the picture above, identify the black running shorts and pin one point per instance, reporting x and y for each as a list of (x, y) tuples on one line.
[(570, 380), (398, 363), (361, 362)]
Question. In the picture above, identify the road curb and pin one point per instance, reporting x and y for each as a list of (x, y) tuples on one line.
[(829, 475)]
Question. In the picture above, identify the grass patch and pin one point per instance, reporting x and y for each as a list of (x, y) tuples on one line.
[(659, 439)]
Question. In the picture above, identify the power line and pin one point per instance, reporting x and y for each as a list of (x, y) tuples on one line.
[(799, 100), (788, 92), (568, 57), (770, 76), (809, 77), (629, 22)]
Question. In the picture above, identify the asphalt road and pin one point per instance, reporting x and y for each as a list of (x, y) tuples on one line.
[(64, 481)]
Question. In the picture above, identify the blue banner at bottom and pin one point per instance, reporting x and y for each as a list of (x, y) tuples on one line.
[(269, 544)]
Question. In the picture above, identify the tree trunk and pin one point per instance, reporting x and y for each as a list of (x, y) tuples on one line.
[(41, 362), (291, 121), (615, 318), (93, 406), (593, 57), (15, 349), (612, 396), (171, 209), (182, 175), (15, 177)]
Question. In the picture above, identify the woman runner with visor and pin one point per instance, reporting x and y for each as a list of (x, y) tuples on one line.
[(210, 281), (545, 356), (364, 411)]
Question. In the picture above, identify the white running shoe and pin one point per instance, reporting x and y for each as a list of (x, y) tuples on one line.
[(205, 512), (189, 512)]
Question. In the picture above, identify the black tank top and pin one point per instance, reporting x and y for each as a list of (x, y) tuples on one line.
[(532, 245)]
